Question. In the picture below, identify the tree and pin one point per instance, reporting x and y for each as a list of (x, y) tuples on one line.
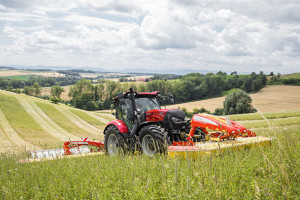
[(56, 91), (237, 102), (36, 89), (27, 90), (82, 86)]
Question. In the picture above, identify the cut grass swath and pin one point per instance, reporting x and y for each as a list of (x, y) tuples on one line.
[(91, 120), (63, 121), (23, 123)]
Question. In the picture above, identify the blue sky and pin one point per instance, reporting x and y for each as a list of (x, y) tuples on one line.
[(227, 35)]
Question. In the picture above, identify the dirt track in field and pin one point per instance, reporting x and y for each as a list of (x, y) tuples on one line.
[(270, 98)]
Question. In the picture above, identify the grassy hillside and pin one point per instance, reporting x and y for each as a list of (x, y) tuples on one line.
[(38, 123), (294, 75)]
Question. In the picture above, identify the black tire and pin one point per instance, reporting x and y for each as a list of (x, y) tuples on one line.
[(114, 142), (153, 140)]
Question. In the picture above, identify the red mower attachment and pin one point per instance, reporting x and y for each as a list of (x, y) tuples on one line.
[(226, 128), (85, 142)]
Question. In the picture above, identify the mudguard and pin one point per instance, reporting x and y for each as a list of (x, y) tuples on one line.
[(119, 124)]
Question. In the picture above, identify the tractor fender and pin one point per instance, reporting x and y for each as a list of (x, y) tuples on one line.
[(145, 124), (119, 124)]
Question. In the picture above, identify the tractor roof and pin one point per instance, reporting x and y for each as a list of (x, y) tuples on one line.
[(141, 94)]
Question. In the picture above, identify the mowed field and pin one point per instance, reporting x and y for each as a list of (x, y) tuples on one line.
[(270, 98), (31, 123), (270, 172)]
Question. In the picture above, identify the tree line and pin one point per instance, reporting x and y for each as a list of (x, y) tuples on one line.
[(193, 86), (11, 84)]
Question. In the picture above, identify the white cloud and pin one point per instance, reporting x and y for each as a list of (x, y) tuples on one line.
[(208, 34)]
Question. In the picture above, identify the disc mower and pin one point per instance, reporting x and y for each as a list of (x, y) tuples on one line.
[(141, 125)]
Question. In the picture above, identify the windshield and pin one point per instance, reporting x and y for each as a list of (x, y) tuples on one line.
[(145, 104)]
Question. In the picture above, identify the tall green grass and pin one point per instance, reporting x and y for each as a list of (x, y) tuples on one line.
[(270, 172), (261, 173)]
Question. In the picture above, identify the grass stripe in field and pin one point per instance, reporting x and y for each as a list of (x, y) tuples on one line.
[(78, 121), (40, 120), (24, 124), (106, 116), (64, 121), (90, 119), (6, 146), (274, 122), (268, 115), (13, 136), (53, 124)]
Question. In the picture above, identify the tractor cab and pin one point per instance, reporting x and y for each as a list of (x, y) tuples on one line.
[(132, 106)]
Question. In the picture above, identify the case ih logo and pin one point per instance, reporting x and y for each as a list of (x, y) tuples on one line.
[(204, 120)]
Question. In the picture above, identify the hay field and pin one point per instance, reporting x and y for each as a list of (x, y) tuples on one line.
[(12, 73), (270, 98), (34, 73)]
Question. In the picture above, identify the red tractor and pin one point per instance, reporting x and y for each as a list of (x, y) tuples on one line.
[(142, 125)]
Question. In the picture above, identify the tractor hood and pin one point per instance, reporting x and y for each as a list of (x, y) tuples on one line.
[(156, 115), (159, 114)]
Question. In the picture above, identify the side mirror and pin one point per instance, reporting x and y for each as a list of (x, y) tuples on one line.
[(121, 99), (172, 100)]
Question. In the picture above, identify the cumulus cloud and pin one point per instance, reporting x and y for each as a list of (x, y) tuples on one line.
[(193, 34)]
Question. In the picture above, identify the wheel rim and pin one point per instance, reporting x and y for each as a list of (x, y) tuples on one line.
[(148, 145), (112, 145)]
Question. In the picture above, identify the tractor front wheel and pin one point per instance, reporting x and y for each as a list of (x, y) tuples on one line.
[(153, 140), (114, 142)]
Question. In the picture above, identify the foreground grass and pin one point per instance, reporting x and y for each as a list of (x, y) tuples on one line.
[(261, 173)]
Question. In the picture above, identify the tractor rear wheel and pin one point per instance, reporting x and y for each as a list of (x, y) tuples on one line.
[(114, 142), (153, 140)]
